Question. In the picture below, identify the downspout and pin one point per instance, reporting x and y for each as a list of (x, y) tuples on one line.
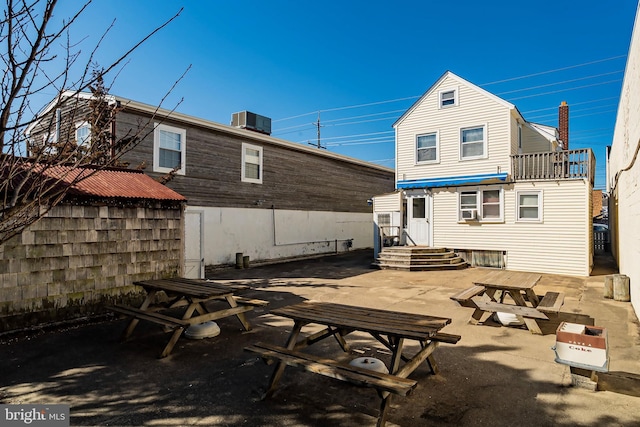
[(58, 121)]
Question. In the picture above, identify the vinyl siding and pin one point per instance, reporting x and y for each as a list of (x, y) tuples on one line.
[(533, 142), (474, 109), (559, 244), (388, 202)]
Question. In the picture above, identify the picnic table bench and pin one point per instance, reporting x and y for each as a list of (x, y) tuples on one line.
[(487, 296), (193, 294), (390, 328)]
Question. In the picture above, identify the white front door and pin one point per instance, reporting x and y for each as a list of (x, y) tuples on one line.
[(418, 218), (193, 257)]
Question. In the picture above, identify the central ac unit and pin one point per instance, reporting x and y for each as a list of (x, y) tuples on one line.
[(251, 121), (469, 214)]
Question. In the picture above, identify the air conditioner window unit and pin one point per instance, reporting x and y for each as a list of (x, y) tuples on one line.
[(469, 214)]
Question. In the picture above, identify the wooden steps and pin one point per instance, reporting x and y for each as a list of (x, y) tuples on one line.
[(418, 258)]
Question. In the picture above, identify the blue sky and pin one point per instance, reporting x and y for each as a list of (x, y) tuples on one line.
[(361, 64)]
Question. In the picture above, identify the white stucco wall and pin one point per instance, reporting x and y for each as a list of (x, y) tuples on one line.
[(623, 174), (268, 234)]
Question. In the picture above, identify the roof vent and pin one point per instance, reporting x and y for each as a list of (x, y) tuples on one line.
[(251, 121)]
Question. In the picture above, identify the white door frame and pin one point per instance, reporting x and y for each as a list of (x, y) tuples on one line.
[(420, 230), (189, 241)]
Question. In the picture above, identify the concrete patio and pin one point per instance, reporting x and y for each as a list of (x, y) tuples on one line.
[(495, 376)]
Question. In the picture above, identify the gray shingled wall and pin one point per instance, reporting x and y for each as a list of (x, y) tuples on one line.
[(79, 258)]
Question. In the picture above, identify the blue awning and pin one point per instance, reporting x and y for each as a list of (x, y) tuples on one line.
[(452, 181)]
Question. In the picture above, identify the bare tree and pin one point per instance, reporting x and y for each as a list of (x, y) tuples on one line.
[(39, 57)]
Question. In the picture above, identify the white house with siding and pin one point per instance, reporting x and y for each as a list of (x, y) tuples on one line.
[(474, 176)]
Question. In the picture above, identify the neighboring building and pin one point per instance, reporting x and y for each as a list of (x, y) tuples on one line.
[(623, 173), (598, 197), (474, 176), (112, 228), (247, 192)]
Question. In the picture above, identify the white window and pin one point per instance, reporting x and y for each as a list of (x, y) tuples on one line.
[(483, 205), (447, 98), (529, 205), (169, 144), (83, 134), (473, 142), (427, 148), (468, 205), (491, 205), (251, 163)]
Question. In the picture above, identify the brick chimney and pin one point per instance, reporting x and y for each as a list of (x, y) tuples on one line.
[(563, 124)]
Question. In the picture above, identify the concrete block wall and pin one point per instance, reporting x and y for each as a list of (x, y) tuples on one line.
[(78, 258)]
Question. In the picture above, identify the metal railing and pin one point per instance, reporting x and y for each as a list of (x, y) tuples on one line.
[(554, 165)]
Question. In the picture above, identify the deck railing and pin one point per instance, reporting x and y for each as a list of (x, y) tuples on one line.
[(554, 165)]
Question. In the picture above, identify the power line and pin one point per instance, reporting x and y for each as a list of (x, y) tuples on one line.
[(572, 111), (554, 71), (352, 140), (360, 134), (365, 115), (279, 132), (360, 143), (484, 84), (560, 83), (572, 104), (566, 90), (350, 107)]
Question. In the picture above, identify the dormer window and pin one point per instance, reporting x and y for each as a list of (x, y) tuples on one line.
[(448, 98)]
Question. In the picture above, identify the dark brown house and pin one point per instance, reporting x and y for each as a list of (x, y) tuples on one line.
[(247, 192)]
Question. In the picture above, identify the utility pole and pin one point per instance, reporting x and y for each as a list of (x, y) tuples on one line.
[(318, 129), (318, 126)]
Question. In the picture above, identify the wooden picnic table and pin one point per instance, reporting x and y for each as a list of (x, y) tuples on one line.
[(523, 301), (391, 328), (193, 295)]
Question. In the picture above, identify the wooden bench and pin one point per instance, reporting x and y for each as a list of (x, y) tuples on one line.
[(518, 310), (464, 298), (446, 338), (380, 381), (250, 301), (551, 302), (528, 314), (150, 316), (177, 326)]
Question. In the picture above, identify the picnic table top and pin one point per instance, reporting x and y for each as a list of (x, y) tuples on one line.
[(198, 288), (375, 321), (509, 280)]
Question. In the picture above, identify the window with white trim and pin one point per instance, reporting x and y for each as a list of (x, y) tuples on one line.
[(251, 163), (529, 205), (169, 147), (491, 205), (427, 148), (447, 98), (473, 142), (83, 134), (484, 205)]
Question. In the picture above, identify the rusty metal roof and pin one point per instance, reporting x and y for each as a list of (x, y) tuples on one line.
[(110, 183)]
